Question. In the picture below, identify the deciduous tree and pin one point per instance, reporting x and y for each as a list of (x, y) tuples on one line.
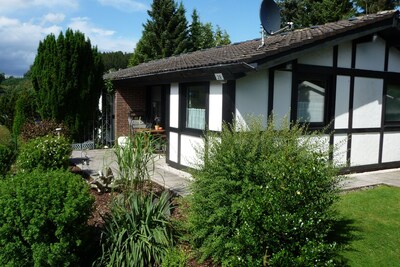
[(305, 13), (373, 6)]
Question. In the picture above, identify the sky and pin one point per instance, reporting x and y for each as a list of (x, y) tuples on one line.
[(111, 25)]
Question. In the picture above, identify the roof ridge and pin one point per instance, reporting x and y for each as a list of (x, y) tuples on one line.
[(250, 50)]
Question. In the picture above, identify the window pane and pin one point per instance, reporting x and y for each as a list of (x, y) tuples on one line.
[(393, 103), (311, 101), (196, 107)]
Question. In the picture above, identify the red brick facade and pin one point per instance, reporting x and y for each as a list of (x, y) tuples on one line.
[(127, 100)]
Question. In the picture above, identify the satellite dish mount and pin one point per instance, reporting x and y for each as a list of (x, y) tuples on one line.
[(270, 16)]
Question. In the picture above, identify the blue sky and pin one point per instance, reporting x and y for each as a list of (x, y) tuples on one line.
[(111, 25)]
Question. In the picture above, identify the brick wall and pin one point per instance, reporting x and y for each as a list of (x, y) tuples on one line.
[(127, 100)]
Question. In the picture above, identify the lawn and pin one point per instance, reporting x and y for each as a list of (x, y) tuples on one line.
[(372, 222)]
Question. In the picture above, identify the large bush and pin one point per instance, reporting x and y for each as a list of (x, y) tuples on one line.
[(43, 217), (48, 152), (6, 159), (262, 197), (5, 136), (138, 231)]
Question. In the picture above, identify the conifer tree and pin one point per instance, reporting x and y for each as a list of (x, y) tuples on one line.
[(67, 77), (221, 37), (165, 33), (207, 35), (195, 37)]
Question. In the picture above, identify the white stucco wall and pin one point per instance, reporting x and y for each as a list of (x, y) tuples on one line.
[(371, 55), (188, 150), (321, 57), (215, 104), (252, 96), (367, 104), (344, 55), (282, 96), (391, 147), (342, 102), (173, 139), (364, 149), (340, 149), (394, 60), (174, 106)]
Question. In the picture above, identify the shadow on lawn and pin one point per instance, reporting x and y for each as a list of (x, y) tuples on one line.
[(344, 232)]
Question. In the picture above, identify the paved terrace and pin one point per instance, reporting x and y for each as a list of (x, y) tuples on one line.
[(91, 161)]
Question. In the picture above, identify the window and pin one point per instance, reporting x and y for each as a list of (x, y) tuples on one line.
[(311, 101), (196, 106), (392, 111)]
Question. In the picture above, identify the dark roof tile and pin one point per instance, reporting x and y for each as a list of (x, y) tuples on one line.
[(249, 51)]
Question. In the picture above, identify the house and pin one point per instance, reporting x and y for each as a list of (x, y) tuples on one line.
[(344, 75)]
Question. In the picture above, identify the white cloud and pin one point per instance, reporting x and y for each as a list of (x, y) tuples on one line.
[(16, 5), (20, 39), (105, 40), (53, 18), (125, 5), (83, 25), (19, 42)]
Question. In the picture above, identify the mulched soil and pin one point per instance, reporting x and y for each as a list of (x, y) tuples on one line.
[(101, 208)]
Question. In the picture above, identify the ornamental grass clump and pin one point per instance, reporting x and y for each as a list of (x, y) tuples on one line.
[(263, 197), (138, 231), (43, 218), (46, 153), (135, 160)]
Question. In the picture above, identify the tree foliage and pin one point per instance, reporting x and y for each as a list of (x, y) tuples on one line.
[(67, 76), (2, 77), (115, 60), (167, 33), (10, 91), (373, 6), (305, 13)]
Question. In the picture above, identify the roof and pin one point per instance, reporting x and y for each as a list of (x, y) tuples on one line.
[(239, 56)]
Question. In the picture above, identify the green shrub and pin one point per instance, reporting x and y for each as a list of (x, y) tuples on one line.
[(5, 136), (6, 159), (138, 231), (49, 152), (263, 196), (43, 218), (175, 257)]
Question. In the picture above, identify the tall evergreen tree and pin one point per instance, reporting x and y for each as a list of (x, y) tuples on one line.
[(67, 77), (165, 33), (305, 13), (202, 35), (374, 6), (221, 37), (196, 29)]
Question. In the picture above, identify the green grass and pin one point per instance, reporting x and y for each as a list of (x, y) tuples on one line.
[(371, 224)]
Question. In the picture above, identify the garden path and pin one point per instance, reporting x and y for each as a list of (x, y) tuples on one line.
[(91, 161)]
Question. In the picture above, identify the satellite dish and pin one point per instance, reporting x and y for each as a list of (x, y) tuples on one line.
[(270, 16)]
